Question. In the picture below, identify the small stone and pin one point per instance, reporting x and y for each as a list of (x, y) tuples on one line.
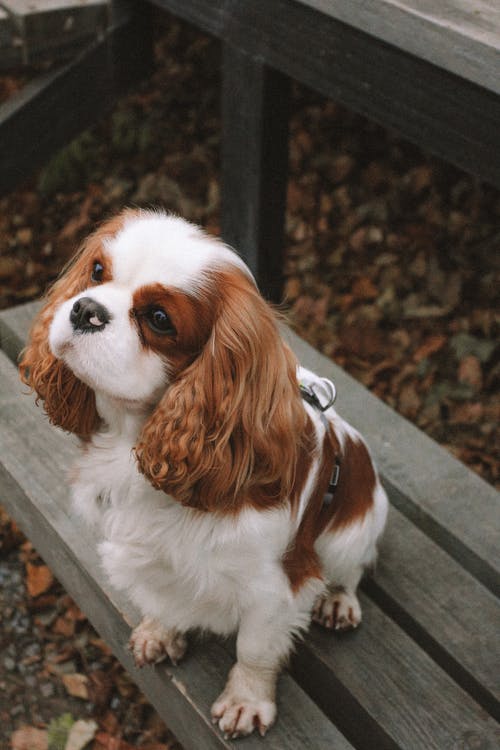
[(47, 689)]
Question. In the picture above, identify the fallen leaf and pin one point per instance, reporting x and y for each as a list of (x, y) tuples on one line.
[(409, 401), (58, 731), (430, 346), (64, 626), (77, 685), (364, 288), (39, 579), (80, 734), (29, 738), (464, 343), (470, 372), (112, 743)]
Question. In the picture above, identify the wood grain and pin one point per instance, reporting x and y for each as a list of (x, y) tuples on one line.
[(384, 692), (439, 110), (457, 35)]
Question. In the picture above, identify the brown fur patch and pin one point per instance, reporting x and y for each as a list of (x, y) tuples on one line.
[(353, 496), (300, 560), (191, 318)]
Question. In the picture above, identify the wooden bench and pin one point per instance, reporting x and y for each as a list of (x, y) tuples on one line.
[(421, 672)]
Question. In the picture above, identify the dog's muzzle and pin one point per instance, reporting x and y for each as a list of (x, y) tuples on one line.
[(88, 316)]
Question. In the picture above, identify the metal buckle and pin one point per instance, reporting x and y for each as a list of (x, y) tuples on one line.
[(310, 394)]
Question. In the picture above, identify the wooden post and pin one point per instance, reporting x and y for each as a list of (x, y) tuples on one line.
[(255, 102)]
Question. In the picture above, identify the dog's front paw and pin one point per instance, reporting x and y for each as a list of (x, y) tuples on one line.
[(151, 643), (238, 717), (337, 610), (247, 702)]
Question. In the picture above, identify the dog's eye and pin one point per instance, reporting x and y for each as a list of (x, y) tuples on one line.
[(97, 271), (159, 322)]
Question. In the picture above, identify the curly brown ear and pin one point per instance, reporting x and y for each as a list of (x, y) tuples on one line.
[(68, 402), (228, 431)]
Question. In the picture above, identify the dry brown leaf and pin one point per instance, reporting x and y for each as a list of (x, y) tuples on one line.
[(430, 346), (77, 685), (364, 288), (109, 742), (409, 401), (39, 579), (29, 738), (64, 626), (80, 734), (470, 372)]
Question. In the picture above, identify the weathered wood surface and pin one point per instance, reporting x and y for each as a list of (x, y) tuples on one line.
[(11, 53), (34, 461), (449, 617), (54, 29), (255, 102), (439, 110), (462, 36), (53, 108)]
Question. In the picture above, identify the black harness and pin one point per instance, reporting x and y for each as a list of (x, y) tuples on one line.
[(310, 395)]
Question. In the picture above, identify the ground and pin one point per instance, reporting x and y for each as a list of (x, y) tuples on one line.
[(390, 269)]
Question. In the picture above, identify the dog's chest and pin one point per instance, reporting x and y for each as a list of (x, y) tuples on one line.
[(207, 550)]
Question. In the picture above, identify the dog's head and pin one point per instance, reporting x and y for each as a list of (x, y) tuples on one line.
[(155, 315)]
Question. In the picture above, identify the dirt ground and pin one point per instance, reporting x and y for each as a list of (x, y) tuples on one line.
[(391, 269)]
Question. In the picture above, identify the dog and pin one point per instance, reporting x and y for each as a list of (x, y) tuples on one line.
[(229, 495)]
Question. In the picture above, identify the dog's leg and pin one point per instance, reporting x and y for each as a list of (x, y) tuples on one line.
[(263, 645), (151, 643), (338, 608)]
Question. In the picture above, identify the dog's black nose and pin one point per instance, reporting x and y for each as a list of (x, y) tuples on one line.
[(88, 316)]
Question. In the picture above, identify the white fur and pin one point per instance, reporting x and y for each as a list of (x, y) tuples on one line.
[(186, 569)]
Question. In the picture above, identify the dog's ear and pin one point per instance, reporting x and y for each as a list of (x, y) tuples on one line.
[(68, 402), (228, 430)]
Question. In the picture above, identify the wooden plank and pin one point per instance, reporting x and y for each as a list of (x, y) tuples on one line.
[(34, 458), (384, 692), (459, 36), (10, 43), (255, 103), (445, 609), (452, 117), (52, 29), (72, 97), (426, 483)]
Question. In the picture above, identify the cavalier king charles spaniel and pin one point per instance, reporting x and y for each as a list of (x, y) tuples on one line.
[(228, 494)]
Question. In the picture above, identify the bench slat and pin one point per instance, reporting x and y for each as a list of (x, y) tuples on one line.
[(460, 37), (37, 499), (383, 691)]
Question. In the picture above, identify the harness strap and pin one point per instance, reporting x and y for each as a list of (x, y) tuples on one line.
[(310, 395)]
